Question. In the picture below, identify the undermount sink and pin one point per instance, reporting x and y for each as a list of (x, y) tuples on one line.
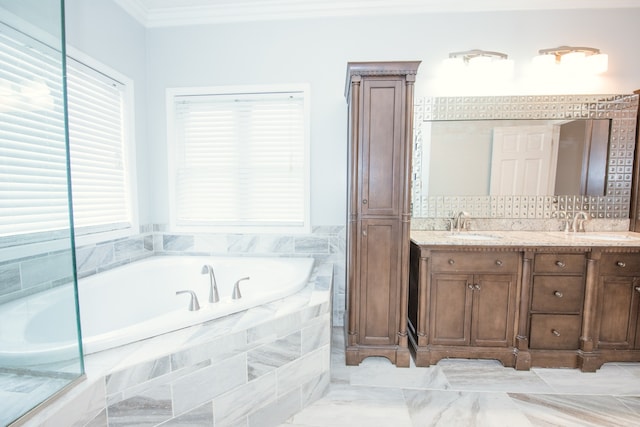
[(608, 237), (473, 236)]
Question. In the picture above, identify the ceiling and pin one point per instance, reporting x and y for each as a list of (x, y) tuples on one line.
[(162, 13)]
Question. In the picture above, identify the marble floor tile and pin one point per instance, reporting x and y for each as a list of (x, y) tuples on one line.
[(612, 379), (575, 411), (348, 406)]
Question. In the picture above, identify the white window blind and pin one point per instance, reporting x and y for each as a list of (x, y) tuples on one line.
[(33, 160), (33, 177), (240, 160), (97, 142)]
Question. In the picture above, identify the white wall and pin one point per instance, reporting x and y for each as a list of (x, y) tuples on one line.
[(317, 51)]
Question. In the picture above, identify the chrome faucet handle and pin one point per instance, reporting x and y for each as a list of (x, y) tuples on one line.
[(194, 305), (236, 289)]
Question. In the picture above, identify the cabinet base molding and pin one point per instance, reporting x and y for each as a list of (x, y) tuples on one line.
[(430, 355), (554, 359), (592, 361), (399, 356)]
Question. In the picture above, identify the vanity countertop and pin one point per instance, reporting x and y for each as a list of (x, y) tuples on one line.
[(526, 238)]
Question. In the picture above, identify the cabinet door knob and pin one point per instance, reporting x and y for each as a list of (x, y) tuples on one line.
[(364, 201), (638, 288), (561, 264), (556, 333), (476, 287), (558, 294), (470, 286), (451, 262), (621, 264), (364, 232), (499, 263)]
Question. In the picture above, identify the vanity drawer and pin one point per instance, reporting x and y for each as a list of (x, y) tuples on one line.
[(620, 264), (557, 294), (559, 263), (555, 331), (487, 262)]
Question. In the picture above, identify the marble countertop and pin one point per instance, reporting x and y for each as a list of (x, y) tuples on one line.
[(526, 238)]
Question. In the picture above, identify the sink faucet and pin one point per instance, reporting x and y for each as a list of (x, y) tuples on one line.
[(213, 285), (462, 221), (236, 289), (578, 221)]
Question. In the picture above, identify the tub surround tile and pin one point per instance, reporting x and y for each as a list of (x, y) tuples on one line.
[(46, 269), (137, 374), (205, 384), (316, 335), (201, 416), (177, 243), (149, 408), (129, 249), (89, 259), (9, 278), (300, 371), (311, 245), (242, 401), (266, 358), (214, 351)]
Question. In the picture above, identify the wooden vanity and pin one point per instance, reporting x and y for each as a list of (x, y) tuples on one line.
[(525, 298)]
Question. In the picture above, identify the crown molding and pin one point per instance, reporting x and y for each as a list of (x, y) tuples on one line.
[(165, 13)]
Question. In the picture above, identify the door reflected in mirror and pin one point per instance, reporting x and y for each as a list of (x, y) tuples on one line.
[(515, 157)]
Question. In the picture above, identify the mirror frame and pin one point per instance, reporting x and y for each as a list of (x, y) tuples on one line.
[(620, 109)]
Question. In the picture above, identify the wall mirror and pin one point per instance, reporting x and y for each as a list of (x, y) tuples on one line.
[(524, 156)]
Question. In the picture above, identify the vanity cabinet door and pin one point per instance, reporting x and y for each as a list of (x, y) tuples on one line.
[(618, 312), (473, 310), (494, 303), (450, 313)]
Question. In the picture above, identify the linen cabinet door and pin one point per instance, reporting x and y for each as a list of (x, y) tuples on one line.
[(493, 310), (382, 148), (450, 313), (379, 281), (618, 312)]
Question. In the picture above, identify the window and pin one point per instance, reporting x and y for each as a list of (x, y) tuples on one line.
[(239, 159), (33, 166)]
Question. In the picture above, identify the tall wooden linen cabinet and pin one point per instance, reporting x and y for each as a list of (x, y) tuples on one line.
[(380, 104)]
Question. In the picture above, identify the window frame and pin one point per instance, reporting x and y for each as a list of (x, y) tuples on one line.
[(173, 145)]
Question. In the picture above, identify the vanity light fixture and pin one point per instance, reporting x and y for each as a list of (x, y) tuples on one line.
[(571, 58), (479, 63)]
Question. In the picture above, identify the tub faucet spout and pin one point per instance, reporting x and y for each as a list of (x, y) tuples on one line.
[(193, 303), (236, 289), (213, 285)]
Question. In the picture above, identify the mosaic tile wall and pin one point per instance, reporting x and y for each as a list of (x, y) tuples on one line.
[(620, 109)]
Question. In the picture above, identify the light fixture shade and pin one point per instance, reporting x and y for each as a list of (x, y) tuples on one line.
[(544, 61), (573, 60), (598, 64)]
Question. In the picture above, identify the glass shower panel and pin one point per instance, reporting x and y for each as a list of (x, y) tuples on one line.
[(40, 346)]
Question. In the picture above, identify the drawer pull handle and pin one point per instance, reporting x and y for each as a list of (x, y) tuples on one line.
[(621, 264), (451, 262), (499, 263), (556, 333), (561, 264), (558, 294)]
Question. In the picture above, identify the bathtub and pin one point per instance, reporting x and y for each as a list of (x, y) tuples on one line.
[(138, 301)]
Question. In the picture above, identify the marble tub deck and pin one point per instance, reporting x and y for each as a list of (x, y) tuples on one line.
[(472, 393)]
